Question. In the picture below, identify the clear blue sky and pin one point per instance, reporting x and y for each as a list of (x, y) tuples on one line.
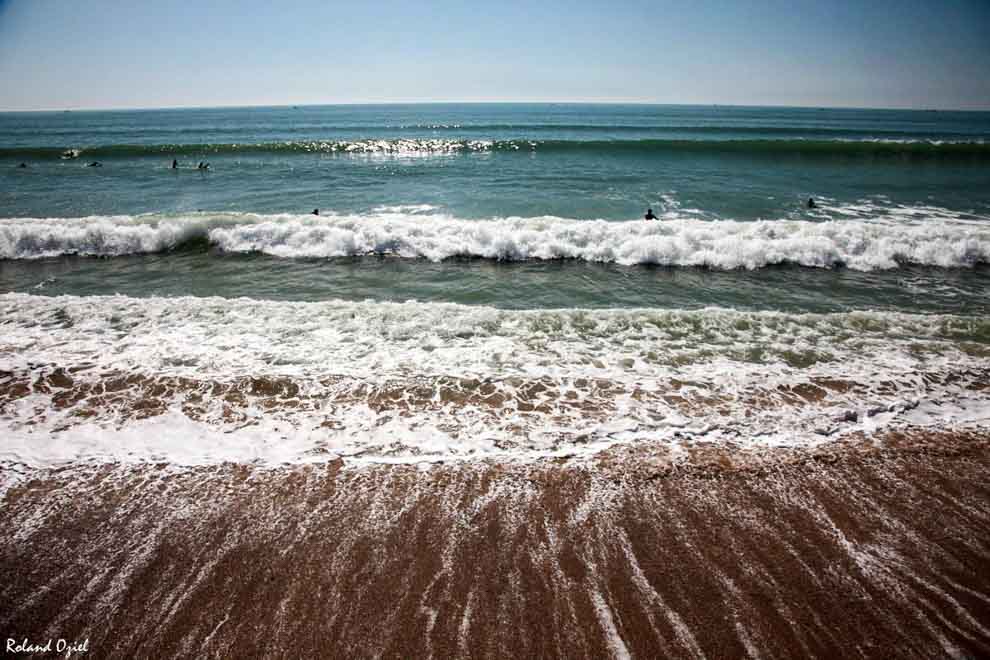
[(147, 53)]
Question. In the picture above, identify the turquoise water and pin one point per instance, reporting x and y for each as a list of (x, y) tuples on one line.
[(480, 281), (917, 179)]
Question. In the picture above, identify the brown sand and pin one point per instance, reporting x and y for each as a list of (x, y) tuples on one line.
[(862, 549)]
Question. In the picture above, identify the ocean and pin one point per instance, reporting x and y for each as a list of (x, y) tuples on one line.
[(496, 254), (480, 381)]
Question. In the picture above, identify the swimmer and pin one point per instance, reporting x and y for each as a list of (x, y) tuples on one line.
[(22, 166), (811, 203), (649, 215), (95, 163), (315, 212), (175, 164)]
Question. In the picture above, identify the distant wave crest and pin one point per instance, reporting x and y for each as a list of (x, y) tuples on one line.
[(413, 146)]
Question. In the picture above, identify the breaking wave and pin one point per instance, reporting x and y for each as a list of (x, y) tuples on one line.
[(678, 241)]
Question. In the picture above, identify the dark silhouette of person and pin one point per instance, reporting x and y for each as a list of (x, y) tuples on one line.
[(811, 203), (175, 164), (649, 215), (203, 166), (315, 212), (95, 163), (23, 166)]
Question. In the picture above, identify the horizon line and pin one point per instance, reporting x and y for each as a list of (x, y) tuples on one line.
[(512, 102)]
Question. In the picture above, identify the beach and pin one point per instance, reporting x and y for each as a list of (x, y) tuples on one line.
[(855, 550), (484, 403)]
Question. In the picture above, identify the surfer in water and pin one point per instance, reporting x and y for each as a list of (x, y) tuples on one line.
[(95, 163), (315, 212), (649, 215), (811, 203), (175, 164), (203, 166)]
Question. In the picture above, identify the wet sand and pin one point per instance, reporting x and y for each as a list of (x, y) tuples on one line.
[(861, 548)]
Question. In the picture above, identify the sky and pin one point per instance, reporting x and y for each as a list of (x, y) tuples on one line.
[(63, 54)]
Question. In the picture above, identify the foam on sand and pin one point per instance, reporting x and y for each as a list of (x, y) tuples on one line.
[(112, 378)]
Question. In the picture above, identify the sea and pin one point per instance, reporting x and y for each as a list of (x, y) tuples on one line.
[(480, 283)]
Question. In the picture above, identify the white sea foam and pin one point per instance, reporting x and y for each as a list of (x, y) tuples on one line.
[(903, 235), (102, 236), (196, 380), (726, 244)]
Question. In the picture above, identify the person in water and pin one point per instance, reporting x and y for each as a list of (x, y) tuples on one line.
[(315, 212), (203, 166), (175, 164), (23, 166), (649, 215), (811, 203), (95, 163)]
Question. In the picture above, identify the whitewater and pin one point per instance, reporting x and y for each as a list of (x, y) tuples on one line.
[(194, 380), (878, 244)]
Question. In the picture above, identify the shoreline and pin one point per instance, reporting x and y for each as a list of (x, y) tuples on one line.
[(865, 547)]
